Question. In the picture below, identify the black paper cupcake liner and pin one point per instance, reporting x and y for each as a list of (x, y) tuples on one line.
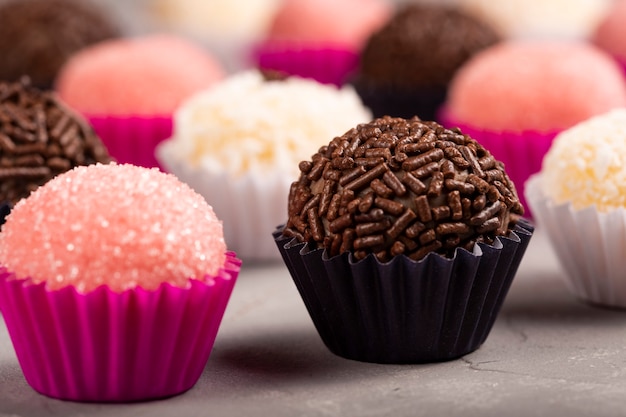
[(405, 311), (382, 100)]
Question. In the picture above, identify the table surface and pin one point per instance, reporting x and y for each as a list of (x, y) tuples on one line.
[(547, 354)]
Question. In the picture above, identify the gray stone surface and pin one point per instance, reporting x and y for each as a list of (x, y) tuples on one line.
[(547, 355)]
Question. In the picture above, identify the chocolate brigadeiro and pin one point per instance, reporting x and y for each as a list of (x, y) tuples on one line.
[(406, 66), (403, 239), (38, 36), (40, 138), (396, 186)]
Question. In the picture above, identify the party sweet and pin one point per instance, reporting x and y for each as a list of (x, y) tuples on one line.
[(543, 84), (39, 139), (406, 66), (124, 270), (129, 89), (239, 143), (546, 90), (321, 39), (402, 238), (579, 198), (50, 237), (148, 75), (392, 187), (37, 37)]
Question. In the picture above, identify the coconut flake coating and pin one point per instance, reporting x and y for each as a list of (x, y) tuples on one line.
[(249, 124), (395, 186), (117, 225), (586, 165)]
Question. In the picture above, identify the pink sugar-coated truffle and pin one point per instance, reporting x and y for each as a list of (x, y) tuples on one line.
[(346, 23), (121, 226), (610, 35), (532, 85), (147, 75)]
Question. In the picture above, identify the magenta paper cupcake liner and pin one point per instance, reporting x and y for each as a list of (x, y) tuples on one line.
[(405, 311), (403, 102), (104, 346), (132, 139), (329, 65), (521, 152)]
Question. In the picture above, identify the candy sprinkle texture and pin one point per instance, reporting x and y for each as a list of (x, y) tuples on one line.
[(117, 225)]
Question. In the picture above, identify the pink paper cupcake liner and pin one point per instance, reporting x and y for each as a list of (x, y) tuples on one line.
[(405, 311), (104, 346), (325, 64), (132, 139), (521, 152)]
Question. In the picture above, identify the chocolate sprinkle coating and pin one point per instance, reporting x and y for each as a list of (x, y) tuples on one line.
[(39, 139), (38, 36), (423, 46), (431, 190)]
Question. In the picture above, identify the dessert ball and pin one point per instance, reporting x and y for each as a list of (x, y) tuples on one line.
[(38, 36), (546, 86), (40, 137), (540, 19), (249, 124), (346, 23), (322, 39), (238, 144), (393, 187), (406, 66), (124, 271), (101, 228), (579, 197), (129, 89), (586, 165), (245, 19), (403, 239), (149, 75)]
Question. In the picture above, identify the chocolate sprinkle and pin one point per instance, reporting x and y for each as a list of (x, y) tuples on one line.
[(433, 190), (39, 139)]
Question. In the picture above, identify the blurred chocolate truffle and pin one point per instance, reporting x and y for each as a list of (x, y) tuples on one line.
[(40, 138), (406, 66), (38, 36)]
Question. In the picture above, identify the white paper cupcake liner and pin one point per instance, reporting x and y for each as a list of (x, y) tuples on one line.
[(249, 206), (590, 245)]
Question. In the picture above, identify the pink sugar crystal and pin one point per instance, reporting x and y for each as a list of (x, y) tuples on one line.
[(117, 225), (531, 85), (149, 75)]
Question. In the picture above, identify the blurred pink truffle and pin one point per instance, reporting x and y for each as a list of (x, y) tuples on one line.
[(345, 23), (516, 96), (542, 86), (320, 39), (610, 35), (148, 75), (128, 89)]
